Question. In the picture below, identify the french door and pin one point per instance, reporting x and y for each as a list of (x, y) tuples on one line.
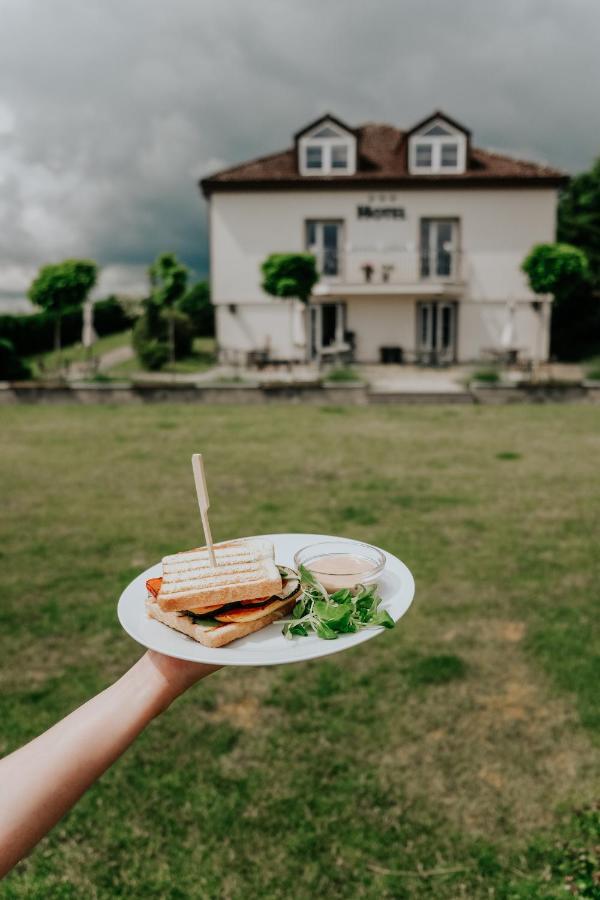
[(327, 326), (436, 331), (439, 248), (324, 241)]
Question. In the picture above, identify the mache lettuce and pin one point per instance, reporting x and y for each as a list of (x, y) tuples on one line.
[(328, 615)]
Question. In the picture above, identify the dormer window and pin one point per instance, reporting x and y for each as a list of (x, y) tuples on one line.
[(314, 157), (437, 146), (423, 155), (326, 148), (339, 156)]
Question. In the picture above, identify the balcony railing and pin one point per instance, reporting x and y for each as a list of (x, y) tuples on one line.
[(383, 267)]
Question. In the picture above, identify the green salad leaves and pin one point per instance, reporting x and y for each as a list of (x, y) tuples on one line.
[(329, 615)]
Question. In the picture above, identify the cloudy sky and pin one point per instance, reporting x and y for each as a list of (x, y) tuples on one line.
[(110, 110)]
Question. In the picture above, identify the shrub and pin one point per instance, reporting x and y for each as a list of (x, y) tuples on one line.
[(35, 333), (151, 336), (12, 367), (486, 376), (151, 351), (110, 317), (343, 373), (197, 306), (592, 369)]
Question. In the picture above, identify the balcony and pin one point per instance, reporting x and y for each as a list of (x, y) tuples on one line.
[(389, 272)]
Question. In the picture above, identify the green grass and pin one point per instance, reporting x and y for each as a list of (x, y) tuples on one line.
[(453, 757), (51, 363), (200, 360)]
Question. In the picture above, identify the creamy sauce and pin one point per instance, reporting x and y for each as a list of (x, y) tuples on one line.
[(341, 570)]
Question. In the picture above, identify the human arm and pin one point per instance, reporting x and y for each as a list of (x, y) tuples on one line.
[(41, 781)]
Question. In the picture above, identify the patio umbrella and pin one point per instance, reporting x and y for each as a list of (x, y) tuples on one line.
[(299, 324), (88, 335), (508, 335)]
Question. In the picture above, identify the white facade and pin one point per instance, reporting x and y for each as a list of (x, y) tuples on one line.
[(444, 270)]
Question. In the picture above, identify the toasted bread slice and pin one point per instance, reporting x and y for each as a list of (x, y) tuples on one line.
[(245, 570), (211, 636)]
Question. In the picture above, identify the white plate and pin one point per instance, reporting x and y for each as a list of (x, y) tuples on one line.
[(267, 647)]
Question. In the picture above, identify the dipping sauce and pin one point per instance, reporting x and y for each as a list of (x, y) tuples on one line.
[(341, 570)]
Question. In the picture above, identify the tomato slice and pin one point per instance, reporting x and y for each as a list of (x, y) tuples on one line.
[(153, 585)]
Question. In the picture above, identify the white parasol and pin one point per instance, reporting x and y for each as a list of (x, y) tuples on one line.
[(508, 335)]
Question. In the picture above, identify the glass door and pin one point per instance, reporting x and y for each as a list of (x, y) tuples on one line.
[(327, 326), (324, 241), (436, 332), (439, 248)]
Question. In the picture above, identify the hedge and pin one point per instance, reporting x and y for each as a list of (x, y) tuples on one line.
[(35, 333)]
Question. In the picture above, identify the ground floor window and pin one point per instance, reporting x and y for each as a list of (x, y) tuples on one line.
[(436, 331)]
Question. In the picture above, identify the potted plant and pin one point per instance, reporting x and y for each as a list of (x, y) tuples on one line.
[(368, 269), (386, 271)]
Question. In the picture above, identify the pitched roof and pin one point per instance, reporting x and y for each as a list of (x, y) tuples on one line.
[(382, 158)]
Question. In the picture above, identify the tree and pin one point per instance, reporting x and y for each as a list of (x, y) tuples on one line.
[(562, 270), (168, 280), (576, 309), (579, 217), (550, 267), (62, 287), (290, 275), (196, 304), (12, 368)]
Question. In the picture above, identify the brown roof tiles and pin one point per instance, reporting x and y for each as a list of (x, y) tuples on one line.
[(382, 159)]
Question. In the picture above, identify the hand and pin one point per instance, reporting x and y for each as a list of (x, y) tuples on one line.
[(177, 675)]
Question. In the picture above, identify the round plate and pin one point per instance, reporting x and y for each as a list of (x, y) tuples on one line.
[(267, 647)]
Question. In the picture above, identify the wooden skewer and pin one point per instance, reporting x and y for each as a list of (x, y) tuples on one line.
[(203, 503)]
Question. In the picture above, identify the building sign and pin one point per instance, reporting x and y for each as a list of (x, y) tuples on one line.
[(380, 212)]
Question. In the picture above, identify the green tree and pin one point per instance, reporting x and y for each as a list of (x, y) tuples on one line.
[(12, 368), (576, 308), (197, 305), (579, 217), (550, 267), (168, 280), (290, 275), (62, 287)]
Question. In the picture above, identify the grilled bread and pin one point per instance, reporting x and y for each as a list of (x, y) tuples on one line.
[(245, 570), (217, 636)]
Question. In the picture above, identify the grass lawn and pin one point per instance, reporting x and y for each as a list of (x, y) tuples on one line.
[(51, 363), (454, 757), (201, 359)]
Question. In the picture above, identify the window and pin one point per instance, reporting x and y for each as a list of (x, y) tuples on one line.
[(438, 147), (314, 157), (339, 156), (449, 156), (324, 240), (327, 149), (326, 132), (436, 131), (423, 156)]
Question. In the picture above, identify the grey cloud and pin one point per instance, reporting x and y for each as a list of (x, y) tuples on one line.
[(110, 111)]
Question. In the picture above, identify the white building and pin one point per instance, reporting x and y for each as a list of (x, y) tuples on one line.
[(418, 236)]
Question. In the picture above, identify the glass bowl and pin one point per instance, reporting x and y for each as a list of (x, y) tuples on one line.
[(345, 563)]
